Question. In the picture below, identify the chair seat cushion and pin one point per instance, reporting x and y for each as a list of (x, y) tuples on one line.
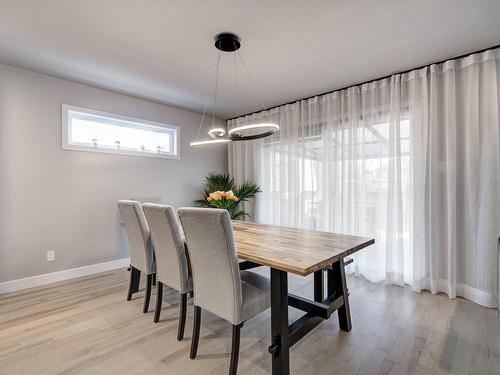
[(256, 294)]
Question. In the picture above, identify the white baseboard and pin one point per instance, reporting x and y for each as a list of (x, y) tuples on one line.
[(486, 299), (53, 277)]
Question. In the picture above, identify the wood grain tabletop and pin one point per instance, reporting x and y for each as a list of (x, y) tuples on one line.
[(298, 251)]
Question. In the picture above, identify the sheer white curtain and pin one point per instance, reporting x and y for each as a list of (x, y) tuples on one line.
[(412, 161), (456, 176)]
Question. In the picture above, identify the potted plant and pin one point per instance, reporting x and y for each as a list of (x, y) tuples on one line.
[(221, 192)]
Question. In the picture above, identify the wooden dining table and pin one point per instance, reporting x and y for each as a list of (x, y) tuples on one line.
[(300, 252)]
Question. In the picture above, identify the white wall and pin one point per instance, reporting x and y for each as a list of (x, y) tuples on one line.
[(65, 201)]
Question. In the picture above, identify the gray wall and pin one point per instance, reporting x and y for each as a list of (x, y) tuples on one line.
[(65, 201)]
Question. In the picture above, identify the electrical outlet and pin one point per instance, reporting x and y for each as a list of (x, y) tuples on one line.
[(51, 256)]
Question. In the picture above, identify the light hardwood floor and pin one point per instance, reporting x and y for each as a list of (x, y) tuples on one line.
[(86, 326)]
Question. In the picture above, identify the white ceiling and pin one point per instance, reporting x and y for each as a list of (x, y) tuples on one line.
[(163, 50)]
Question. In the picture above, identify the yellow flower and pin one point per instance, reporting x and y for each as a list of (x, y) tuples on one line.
[(230, 196), (217, 195), (222, 195)]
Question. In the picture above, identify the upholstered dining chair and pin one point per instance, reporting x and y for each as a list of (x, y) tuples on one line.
[(219, 285), (141, 250), (172, 261)]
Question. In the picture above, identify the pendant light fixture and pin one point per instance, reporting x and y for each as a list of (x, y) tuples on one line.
[(229, 42)]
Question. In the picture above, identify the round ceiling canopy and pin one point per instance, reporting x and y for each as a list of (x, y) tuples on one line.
[(227, 42)]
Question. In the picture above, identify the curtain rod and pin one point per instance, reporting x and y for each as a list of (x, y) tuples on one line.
[(375, 79)]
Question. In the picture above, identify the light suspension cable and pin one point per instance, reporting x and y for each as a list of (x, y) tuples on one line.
[(254, 87)]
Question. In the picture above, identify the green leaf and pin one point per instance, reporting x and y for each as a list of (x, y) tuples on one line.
[(246, 190), (219, 181)]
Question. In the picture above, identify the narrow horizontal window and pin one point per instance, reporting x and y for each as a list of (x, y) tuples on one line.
[(89, 130)]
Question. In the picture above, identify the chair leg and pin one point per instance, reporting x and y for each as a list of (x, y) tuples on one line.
[(148, 293), (154, 279), (235, 349), (196, 332), (159, 298), (191, 294), (135, 278), (182, 316)]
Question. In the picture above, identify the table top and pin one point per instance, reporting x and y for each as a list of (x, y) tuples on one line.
[(298, 251)]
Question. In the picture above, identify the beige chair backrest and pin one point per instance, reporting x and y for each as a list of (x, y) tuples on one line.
[(212, 251), (168, 241), (141, 250)]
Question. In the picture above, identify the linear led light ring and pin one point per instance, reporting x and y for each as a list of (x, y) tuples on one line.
[(237, 133), (216, 133), (209, 141)]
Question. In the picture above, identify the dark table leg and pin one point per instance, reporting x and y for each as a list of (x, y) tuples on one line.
[(337, 285), (319, 289), (279, 323)]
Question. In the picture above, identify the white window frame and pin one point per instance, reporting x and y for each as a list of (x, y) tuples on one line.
[(134, 122)]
